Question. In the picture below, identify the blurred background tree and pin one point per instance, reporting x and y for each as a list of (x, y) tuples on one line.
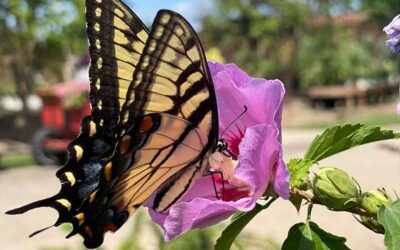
[(257, 30), (303, 43), (36, 38)]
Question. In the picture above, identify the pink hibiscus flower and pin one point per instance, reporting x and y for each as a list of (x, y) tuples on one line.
[(255, 138)]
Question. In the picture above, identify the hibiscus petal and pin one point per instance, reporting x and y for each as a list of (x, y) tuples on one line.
[(263, 98), (281, 180), (255, 137), (259, 153), (237, 75)]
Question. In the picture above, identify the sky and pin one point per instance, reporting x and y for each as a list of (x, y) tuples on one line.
[(192, 10)]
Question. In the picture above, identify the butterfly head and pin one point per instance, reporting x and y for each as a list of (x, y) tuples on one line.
[(222, 147)]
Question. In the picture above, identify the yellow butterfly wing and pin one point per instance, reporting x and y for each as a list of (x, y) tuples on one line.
[(116, 41)]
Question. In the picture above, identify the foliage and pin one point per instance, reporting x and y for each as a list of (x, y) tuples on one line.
[(264, 34), (339, 138), (309, 236), (335, 62), (382, 11), (37, 36), (389, 217), (282, 39), (239, 221), (298, 169), (304, 186)]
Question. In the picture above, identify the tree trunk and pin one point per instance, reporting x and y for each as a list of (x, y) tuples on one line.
[(21, 84)]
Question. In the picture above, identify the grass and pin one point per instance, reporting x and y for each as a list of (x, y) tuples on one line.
[(16, 160)]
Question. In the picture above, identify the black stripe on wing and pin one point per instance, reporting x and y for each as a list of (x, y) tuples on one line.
[(116, 40), (174, 68)]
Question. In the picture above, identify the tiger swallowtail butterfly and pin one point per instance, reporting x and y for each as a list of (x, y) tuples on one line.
[(154, 121)]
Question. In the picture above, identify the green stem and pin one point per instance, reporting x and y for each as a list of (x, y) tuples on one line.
[(269, 202), (309, 211)]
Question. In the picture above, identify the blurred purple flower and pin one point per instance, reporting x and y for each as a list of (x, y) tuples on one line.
[(393, 32), (255, 137)]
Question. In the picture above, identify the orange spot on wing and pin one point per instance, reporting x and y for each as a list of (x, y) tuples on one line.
[(111, 227), (124, 146), (146, 124), (131, 210), (92, 196), (108, 171), (80, 217), (89, 231), (121, 204)]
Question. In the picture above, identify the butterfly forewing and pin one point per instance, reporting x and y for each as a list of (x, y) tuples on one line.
[(172, 78), (116, 41)]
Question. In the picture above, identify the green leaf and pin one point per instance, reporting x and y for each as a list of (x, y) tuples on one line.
[(309, 236), (296, 200), (239, 221), (298, 169), (342, 137), (389, 218)]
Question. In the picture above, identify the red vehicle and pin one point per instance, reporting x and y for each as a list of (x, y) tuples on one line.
[(64, 106)]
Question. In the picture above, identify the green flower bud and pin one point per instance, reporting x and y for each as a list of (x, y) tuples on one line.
[(371, 201), (335, 189), (372, 224)]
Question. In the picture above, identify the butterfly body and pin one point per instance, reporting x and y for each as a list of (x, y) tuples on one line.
[(153, 125)]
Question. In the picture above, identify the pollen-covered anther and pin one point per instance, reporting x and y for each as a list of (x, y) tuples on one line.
[(224, 164)]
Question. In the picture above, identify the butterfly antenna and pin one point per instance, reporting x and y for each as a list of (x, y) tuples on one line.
[(233, 122)]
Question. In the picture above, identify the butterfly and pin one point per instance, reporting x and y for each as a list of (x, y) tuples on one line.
[(154, 122)]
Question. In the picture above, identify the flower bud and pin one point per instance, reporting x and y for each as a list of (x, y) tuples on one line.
[(335, 189), (371, 201)]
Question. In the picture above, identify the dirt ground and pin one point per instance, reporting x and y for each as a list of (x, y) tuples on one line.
[(298, 113), (373, 165)]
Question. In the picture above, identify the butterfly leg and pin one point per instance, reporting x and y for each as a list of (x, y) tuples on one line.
[(229, 153), (212, 173)]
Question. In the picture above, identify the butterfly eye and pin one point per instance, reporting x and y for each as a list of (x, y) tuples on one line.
[(222, 145)]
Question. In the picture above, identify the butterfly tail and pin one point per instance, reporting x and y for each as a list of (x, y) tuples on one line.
[(48, 202)]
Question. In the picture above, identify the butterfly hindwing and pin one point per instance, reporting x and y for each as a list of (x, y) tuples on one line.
[(116, 40)]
